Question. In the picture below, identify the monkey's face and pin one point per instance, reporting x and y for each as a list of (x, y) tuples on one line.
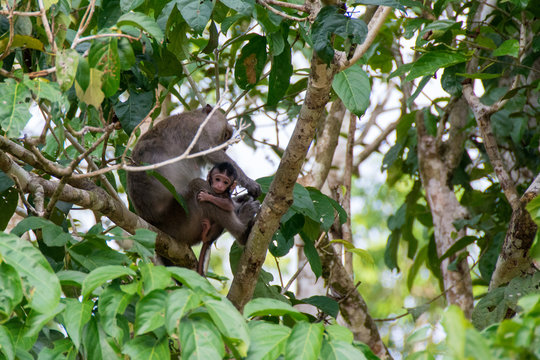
[(221, 183)]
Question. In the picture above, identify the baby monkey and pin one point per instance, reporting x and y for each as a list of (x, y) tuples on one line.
[(222, 181)]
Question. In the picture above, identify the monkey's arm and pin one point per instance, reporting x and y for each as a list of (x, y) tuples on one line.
[(222, 203), (253, 188)]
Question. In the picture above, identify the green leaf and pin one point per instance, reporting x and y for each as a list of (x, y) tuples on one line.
[(458, 245), (312, 256), (76, 315), (250, 64), (305, 341), (338, 332), (7, 346), (36, 320), (154, 277), (192, 280), (132, 111), (126, 56), (196, 13), (8, 204), (103, 56), (264, 306), (147, 348), (143, 22), (179, 303), (44, 89), (267, 340), (353, 88), (329, 21), (96, 343), (244, 7), (14, 109), (92, 95), (21, 41), (303, 203), (340, 350), (150, 312), (12, 292), (390, 254), (35, 272), (413, 271), (324, 207), (200, 339), (327, 305), (280, 75), (71, 277), (63, 349), (230, 323), (144, 243), (103, 274), (432, 61), (482, 76), (364, 255), (508, 47), (390, 3), (112, 302)]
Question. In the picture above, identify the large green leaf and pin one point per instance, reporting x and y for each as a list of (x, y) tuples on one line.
[(353, 88), (196, 13), (103, 56), (37, 276), (36, 320), (14, 112), (509, 47), (340, 350), (103, 274), (280, 75), (76, 315), (200, 339), (154, 277), (150, 312), (244, 7), (432, 61), (250, 63), (305, 341), (12, 292), (147, 347), (265, 306), (331, 21), (230, 323), (324, 303), (143, 22), (179, 302), (192, 280), (112, 302), (92, 95), (132, 111), (267, 340), (7, 347), (96, 344)]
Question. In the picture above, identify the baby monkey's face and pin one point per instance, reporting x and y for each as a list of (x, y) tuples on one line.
[(221, 183)]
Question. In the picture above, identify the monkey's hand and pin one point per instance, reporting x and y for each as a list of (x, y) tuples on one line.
[(204, 196), (254, 189)]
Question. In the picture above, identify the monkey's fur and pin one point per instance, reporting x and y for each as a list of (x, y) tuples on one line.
[(154, 203)]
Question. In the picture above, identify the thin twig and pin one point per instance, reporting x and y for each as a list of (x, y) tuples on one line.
[(193, 85), (281, 13)]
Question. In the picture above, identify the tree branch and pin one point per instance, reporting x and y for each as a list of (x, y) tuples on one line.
[(482, 113)]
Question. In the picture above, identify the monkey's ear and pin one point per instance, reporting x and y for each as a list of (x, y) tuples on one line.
[(233, 186), (206, 110)]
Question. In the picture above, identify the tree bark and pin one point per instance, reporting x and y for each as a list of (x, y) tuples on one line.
[(435, 173)]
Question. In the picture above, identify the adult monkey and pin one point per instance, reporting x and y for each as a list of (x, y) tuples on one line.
[(154, 203)]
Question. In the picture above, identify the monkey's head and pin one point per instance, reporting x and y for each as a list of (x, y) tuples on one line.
[(220, 131), (222, 178)]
